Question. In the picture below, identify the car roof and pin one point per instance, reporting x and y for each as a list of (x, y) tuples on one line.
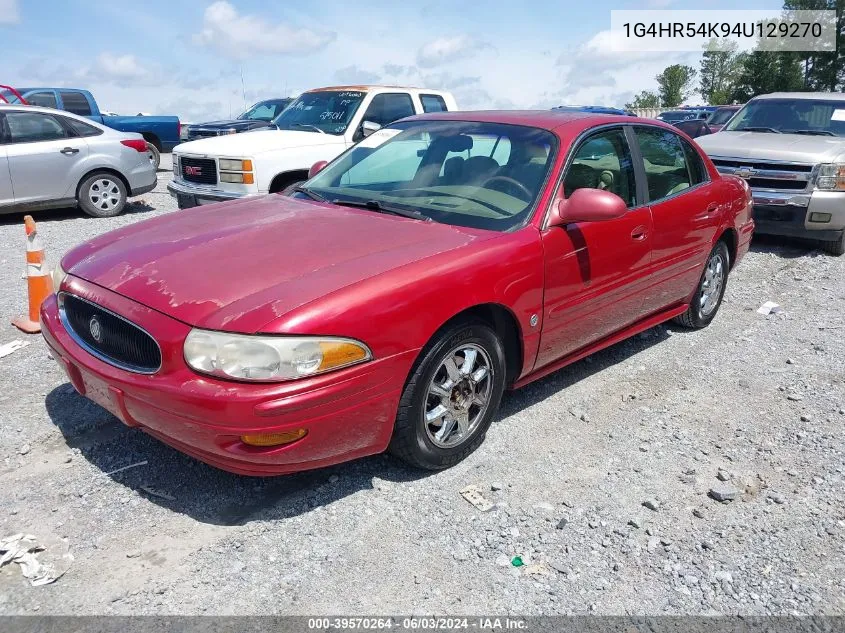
[(63, 88), (815, 96), (561, 120), (17, 107), (379, 87)]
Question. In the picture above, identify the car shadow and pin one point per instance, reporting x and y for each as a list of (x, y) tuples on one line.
[(185, 485), (785, 247), (71, 213)]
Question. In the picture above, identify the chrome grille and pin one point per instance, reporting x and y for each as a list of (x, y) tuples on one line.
[(109, 337), (769, 175)]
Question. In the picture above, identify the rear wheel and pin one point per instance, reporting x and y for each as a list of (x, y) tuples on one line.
[(450, 398), (102, 194), (710, 290), (154, 154), (835, 247)]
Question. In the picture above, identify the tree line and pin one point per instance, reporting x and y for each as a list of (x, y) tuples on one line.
[(727, 76)]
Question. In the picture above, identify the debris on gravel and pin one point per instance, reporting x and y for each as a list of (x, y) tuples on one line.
[(724, 492)]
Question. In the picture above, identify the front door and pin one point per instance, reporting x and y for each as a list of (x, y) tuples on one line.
[(594, 270), (42, 157)]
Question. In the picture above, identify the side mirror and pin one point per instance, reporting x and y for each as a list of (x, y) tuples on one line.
[(588, 205), (316, 168), (368, 127)]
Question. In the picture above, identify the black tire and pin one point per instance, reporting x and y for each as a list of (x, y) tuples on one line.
[(835, 247), (411, 442), (155, 155), (112, 204), (698, 315), (289, 189)]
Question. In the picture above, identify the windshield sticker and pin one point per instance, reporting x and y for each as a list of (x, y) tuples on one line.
[(838, 115), (378, 137), (354, 95)]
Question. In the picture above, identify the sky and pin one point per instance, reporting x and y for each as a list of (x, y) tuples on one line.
[(206, 59)]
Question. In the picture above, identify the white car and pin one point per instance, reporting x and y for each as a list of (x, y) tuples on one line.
[(318, 126), (50, 159)]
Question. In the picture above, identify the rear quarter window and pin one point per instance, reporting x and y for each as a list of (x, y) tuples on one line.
[(76, 103), (433, 103)]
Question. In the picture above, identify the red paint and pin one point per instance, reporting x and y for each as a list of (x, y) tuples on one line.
[(281, 265)]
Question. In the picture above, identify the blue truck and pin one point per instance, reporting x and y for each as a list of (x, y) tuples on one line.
[(160, 132)]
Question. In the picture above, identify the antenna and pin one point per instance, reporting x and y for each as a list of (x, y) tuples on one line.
[(243, 88)]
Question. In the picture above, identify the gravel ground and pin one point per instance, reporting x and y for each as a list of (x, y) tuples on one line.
[(601, 475)]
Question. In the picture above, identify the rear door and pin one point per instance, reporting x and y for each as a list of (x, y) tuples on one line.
[(7, 194), (685, 210), (595, 271), (42, 155)]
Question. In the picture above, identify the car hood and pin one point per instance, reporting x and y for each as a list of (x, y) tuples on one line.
[(232, 124), (767, 146), (256, 142), (237, 266)]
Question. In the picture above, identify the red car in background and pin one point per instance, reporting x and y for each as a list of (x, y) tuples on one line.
[(393, 298), (721, 116)]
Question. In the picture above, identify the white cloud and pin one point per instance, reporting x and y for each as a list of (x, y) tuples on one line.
[(120, 67), (9, 13), (449, 49), (658, 4), (240, 36), (355, 75)]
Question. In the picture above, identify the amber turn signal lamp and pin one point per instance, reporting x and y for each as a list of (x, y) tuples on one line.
[(274, 439), (249, 179)]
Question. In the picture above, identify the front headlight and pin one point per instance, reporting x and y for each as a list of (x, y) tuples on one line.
[(58, 275), (232, 164), (264, 358), (831, 177), (175, 164)]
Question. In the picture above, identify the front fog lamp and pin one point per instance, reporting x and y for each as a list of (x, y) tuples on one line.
[(269, 358), (831, 177)]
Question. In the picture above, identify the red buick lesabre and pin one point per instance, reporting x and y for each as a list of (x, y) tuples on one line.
[(390, 301)]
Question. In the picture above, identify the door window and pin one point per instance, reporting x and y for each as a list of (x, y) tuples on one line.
[(33, 127), (81, 129), (45, 99), (697, 170), (603, 161), (76, 103), (387, 108), (665, 161), (433, 103)]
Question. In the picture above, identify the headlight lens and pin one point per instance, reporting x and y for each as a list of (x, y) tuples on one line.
[(831, 177), (231, 164), (269, 358), (58, 275), (175, 164)]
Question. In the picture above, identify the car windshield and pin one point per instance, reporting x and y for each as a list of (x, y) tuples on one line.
[(820, 117), (720, 117), (265, 110), (328, 111), (473, 174)]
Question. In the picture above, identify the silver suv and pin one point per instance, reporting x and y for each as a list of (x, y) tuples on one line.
[(50, 158), (790, 148)]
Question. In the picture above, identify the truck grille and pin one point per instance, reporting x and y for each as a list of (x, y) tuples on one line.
[(201, 170), (767, 175), (109, 337), (195, 134)]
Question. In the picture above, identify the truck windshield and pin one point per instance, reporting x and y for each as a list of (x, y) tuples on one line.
[(822, 117), (327, 111), (265, 110), (465, 173)]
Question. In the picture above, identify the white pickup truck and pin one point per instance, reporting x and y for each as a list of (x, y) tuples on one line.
[(319, 125)]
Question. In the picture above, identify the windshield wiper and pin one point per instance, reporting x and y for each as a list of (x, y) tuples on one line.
[(309, 126), (375, 205), (811, 132), (757, 129), (311, 194)]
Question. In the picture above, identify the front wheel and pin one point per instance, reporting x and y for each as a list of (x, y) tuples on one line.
[(451, 397), (710, 290), (102, 195)]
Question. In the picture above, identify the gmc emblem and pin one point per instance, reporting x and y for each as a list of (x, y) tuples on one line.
[(193, 171)]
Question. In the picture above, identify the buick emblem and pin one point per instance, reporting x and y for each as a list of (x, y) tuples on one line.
[(96, 329), (745, 172)]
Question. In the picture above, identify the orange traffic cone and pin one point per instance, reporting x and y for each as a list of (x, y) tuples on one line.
[(38, 280)]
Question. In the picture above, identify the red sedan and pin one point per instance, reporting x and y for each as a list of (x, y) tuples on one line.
[(392, 299)]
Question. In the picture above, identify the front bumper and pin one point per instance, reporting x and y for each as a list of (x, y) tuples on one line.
[(788, 214), (348, 413), (188, 195)]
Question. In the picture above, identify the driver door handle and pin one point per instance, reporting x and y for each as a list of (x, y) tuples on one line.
[(67, 151), (639, 233)]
